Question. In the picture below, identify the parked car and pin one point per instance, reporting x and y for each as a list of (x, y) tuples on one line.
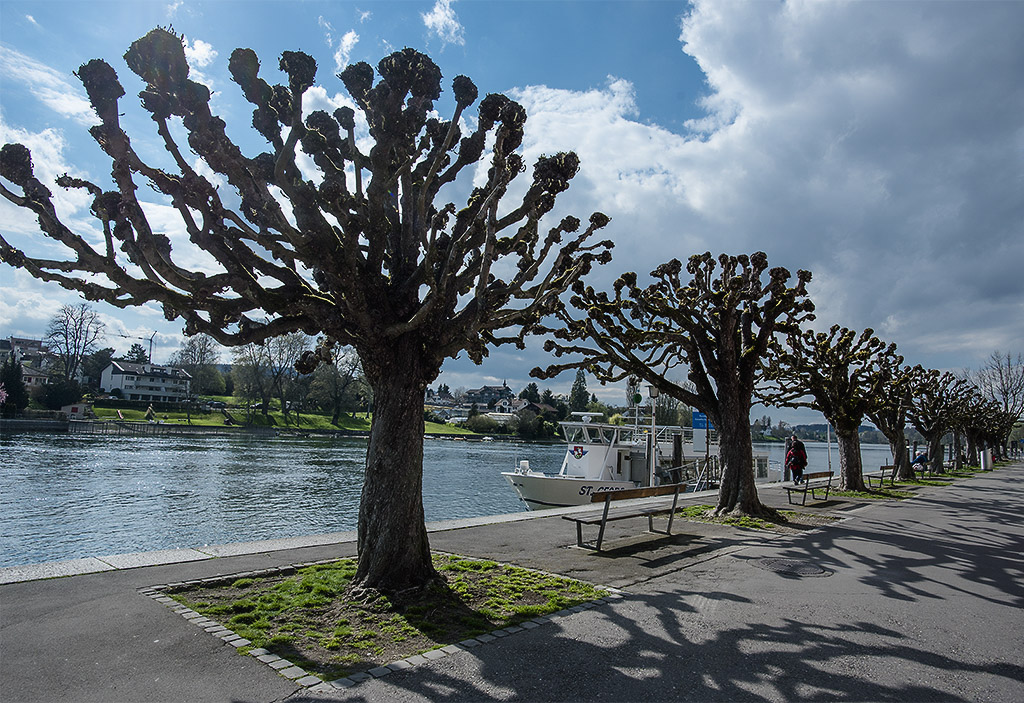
[(218, 404)]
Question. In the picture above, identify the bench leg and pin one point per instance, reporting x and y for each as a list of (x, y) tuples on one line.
[(579, 534), (604, 521), (672, 515)]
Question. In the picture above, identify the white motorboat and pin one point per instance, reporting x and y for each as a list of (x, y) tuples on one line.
[(601, 457)]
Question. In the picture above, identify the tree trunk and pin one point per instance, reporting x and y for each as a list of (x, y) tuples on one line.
[(935, 453), (972, 450), (957, 450), (851, 472), (737, 494), (901, 458), (394, 552)]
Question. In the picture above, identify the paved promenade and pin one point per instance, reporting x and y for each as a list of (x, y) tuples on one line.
[(917, 600)]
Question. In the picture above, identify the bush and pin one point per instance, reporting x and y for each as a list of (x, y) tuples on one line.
[(59, 393), (482, 424)]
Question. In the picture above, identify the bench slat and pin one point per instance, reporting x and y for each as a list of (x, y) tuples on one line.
[(636, 493), (812, 482), (608, 497)]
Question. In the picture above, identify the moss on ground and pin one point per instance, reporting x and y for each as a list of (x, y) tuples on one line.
[(792, 519), (307, 618)]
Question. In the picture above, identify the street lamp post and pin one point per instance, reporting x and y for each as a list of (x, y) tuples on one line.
[(652, 391)]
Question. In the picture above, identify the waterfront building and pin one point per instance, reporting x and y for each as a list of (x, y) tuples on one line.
[(146, 382), (34, 378), (486, 396)]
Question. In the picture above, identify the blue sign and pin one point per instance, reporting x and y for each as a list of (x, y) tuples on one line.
[(700, 421)]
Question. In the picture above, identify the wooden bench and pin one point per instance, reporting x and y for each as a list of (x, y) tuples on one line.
[(885, 472), (812, 483), (623, 513)]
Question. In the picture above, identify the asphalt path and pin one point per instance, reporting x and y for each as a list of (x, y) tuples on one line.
[(915, 600)]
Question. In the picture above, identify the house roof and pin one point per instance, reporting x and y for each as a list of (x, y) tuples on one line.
[(126, 367)]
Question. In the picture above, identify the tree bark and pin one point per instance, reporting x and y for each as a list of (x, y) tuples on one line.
[(851, 470), (935, 453), (738, 493), (901, 458), (972, 450), (394, 552)]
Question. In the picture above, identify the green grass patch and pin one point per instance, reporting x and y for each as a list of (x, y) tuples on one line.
[(274, 418), (307, 618), (790, 518), (875, 494), (924, 482)]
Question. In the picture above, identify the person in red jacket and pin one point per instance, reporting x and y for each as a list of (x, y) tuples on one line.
[(796, 459)]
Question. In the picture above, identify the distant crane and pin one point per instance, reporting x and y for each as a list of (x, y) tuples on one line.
[(150, 338)]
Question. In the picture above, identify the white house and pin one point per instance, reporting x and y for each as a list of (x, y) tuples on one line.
[(34, 378), (147, 382)]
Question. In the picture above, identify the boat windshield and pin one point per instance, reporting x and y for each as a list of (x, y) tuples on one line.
[(589, 434)]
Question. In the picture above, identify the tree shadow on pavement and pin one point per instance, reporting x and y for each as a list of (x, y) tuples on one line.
[(671, 646), (915, 610), (957, 552)]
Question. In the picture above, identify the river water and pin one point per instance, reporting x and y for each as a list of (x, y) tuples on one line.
[(70, 496)]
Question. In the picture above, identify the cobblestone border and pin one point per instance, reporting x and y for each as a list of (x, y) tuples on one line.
[(314, 683)]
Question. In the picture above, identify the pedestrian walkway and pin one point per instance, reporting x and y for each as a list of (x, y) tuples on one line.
[(912, 600)]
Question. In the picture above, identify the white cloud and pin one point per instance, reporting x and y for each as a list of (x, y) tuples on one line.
[(51, 87), (442, 22), (32, 20), (344, 50), (364, 15), (49, 162), (199, 55), (876, 144), (173, 7)]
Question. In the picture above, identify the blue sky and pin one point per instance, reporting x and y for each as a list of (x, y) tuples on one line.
[(878, 144)]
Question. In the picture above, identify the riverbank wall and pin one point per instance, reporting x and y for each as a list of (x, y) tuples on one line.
[(19, 424)]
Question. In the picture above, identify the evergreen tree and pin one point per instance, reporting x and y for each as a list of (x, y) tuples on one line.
[(530, 393), (94, 365), (137, 354), (60, 392), (578, 396), (14, 384)]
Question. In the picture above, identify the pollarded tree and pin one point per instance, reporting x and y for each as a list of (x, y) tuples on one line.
[(717, 324), (933, 410), (889, 412), (838, 373), (357, 251)]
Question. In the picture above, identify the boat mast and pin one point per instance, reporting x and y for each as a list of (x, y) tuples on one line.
[(653, 392)]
